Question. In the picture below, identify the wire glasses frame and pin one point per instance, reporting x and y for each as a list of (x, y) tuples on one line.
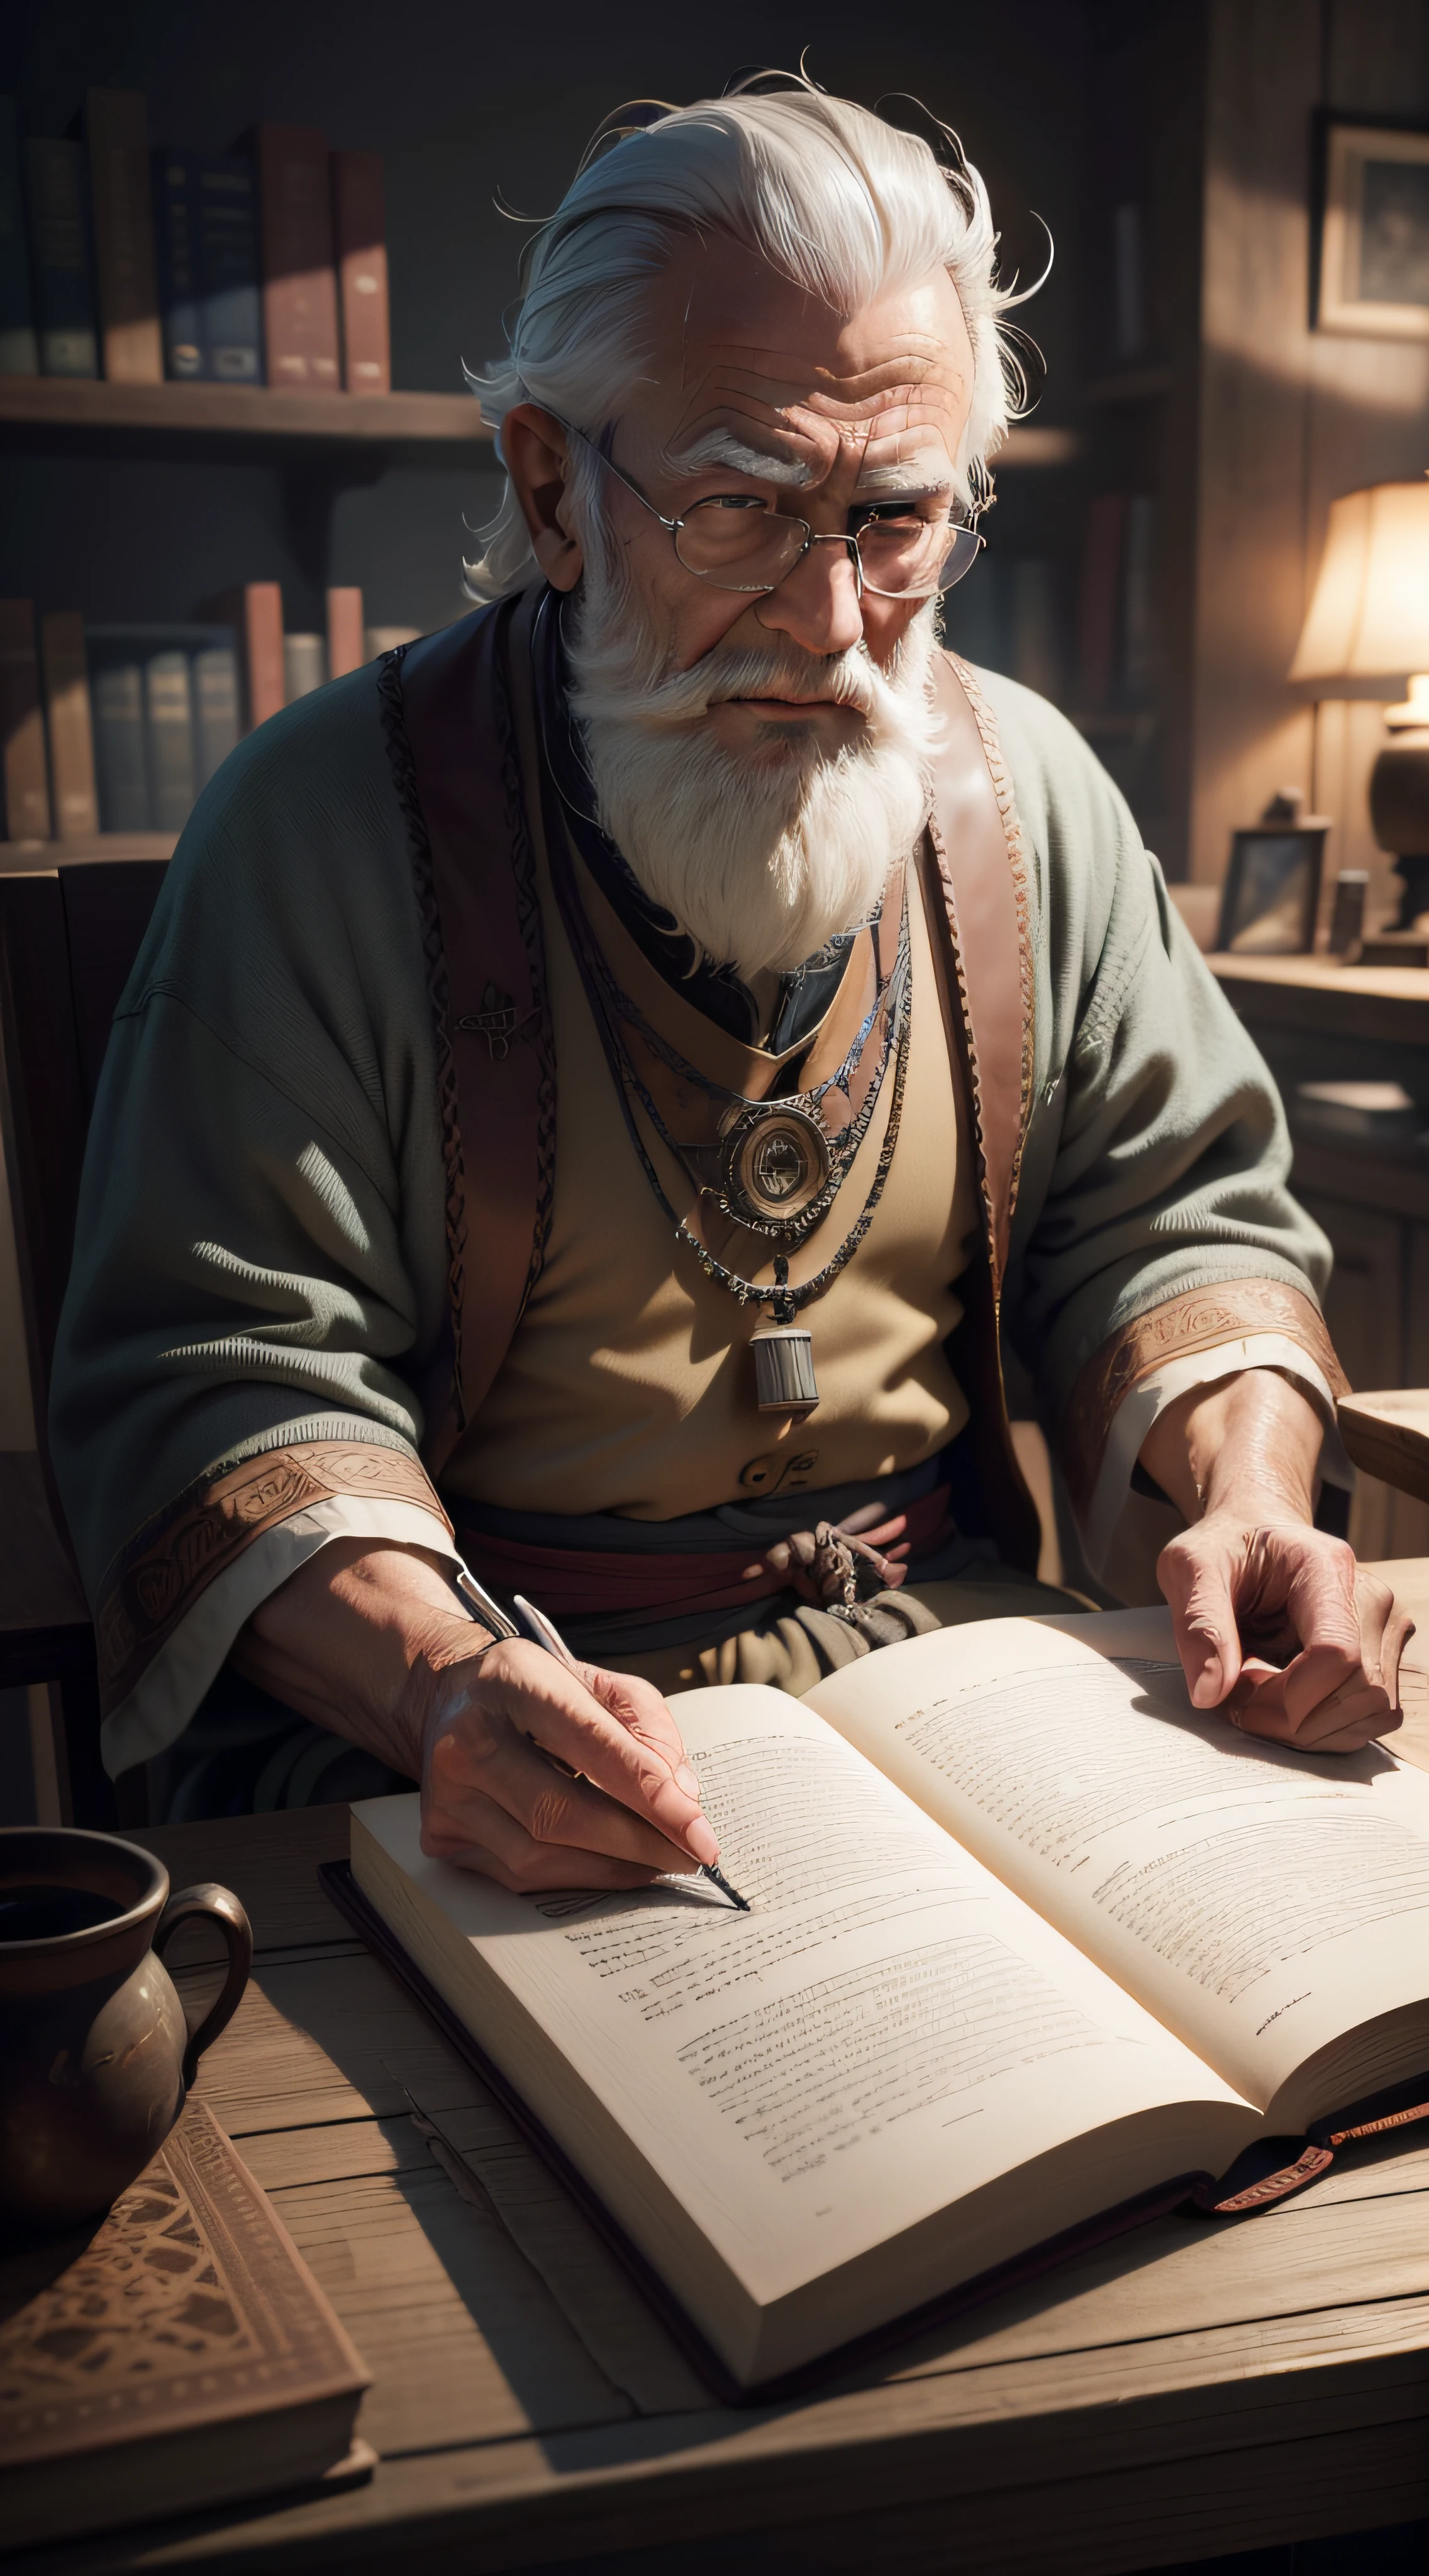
[(782, 542)]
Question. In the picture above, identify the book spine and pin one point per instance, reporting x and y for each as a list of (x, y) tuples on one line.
[(346, 641), (19, 348), (263, 650), (226, 191), (22, 725), (117, 127), (304, 665), (169, 726), (176, 237), (71, 731), (299, 286), (359, 220), (216, 709), (63, 282), (117, 690)]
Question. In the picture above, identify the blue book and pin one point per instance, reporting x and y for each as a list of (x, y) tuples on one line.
[(176, 242), (116, 691), (62, 272), (226, 215), (169, 709), (218, 714), (19, 348)]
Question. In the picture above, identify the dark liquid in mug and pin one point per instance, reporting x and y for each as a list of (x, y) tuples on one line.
[(44, 1913)]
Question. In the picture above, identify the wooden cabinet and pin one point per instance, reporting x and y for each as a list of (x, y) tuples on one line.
[(1318, 1022)]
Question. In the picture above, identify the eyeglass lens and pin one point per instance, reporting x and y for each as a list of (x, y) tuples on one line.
[(753, 549)]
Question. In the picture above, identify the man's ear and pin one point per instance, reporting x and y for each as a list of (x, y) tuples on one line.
[(534, 450)]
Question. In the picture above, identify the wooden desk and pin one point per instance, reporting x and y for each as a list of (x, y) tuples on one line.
[(1191, 2392)]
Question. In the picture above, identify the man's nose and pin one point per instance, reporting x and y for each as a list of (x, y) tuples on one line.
[(818, 604)]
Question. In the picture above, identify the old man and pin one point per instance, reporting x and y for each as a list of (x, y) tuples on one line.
[(602, 1088)]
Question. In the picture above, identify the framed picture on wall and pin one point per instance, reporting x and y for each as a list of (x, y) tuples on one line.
[(1272, 889), (1374, 232)]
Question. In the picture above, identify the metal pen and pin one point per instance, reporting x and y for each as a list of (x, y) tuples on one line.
[(541, 1631)]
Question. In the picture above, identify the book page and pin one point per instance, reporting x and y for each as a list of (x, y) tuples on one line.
[(888, 2032), (1260, 1902)]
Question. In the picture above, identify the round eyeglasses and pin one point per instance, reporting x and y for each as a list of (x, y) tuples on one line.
[(735, 541)]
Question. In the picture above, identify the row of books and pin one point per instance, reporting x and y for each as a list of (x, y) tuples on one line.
[(119, 728), (265, 264)]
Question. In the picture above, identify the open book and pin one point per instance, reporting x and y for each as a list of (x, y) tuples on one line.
[(1030, 1938)]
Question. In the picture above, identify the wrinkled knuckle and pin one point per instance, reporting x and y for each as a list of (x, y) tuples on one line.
[(547, 1814)]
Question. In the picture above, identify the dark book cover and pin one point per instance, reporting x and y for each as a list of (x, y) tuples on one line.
[(22, 726), (226, 217), (116, 689), (19, 348), (57, 204), (359, 218), (300, 332), (178, 2355), (218, 708), (176, 242), (116, 124), (169, 727)]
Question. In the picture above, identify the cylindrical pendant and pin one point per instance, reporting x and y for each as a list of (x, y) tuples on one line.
[(784, 1368)]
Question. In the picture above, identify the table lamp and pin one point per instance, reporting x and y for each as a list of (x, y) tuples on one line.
[(1366, 634)]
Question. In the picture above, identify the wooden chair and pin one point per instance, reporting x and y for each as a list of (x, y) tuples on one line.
[(68, 938)]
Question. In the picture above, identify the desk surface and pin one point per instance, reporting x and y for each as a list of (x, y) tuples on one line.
[(1191, 2391)]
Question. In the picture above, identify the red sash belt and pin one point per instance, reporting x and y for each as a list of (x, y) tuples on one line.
[(587, 1582)]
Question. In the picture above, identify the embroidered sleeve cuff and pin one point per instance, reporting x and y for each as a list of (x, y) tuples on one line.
[(298, 1497)]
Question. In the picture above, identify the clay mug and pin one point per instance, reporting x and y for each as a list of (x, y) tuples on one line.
[(96, 2054)]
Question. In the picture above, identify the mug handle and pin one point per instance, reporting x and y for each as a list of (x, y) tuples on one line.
[(210, 1904)]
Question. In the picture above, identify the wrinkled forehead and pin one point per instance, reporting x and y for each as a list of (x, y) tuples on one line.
[(745, 362)]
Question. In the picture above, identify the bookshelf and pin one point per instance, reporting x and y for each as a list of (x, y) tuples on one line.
[(80, 415), (35, 858)]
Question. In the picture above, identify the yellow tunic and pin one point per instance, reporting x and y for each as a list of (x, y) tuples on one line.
[(629, 1387)]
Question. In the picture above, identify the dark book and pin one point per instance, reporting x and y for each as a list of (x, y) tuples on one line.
[(22, 726), (57, 204), (360, 223), (116, 688), (226, 217), (19, 348), (1100, 617), (177, 2356), (176, 238), (1034, 1951), (300, 331), (218, 708), (169, 727), (73, 802), (116, 125)]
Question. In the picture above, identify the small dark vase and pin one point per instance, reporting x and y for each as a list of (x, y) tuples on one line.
[(95, 2053)]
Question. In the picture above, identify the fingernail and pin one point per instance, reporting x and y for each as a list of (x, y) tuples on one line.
[(700, 1840), (1207, 1688), (687, 1781)]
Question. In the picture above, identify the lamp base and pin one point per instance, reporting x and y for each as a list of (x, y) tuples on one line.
[(1399, 811)]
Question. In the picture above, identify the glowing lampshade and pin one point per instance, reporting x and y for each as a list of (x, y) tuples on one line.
[(1368, 625)]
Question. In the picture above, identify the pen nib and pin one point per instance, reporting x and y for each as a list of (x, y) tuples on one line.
[(722, 1883)]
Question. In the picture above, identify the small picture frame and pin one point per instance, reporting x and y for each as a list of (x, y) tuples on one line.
[(1272, 890), (1374, 232)]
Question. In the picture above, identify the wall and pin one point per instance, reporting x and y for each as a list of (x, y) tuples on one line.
[(1288, 417)]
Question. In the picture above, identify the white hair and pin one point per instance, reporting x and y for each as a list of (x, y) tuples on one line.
[(830, 196)]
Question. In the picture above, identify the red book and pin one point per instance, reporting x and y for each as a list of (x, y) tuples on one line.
[(360, 223), (116, 126), (256, 614), (295, 236), (346, 645)]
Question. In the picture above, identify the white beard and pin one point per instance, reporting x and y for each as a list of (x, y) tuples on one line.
[(761, 858)]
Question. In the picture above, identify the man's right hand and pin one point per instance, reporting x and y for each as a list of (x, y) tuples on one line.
[(371, 1640), (492, 1801)]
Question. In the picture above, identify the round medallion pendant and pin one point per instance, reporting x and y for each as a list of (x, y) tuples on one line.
[(775, 1162)]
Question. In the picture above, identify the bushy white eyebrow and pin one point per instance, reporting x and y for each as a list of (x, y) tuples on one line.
[(919, 478), (721, 447)]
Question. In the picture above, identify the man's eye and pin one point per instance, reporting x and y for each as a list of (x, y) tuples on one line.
[(732, 501)]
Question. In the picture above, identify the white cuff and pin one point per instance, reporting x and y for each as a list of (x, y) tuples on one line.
[(169, 1689), (1150, 1396)]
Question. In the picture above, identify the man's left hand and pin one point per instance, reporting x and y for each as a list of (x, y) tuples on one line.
[(1275, 1623)]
